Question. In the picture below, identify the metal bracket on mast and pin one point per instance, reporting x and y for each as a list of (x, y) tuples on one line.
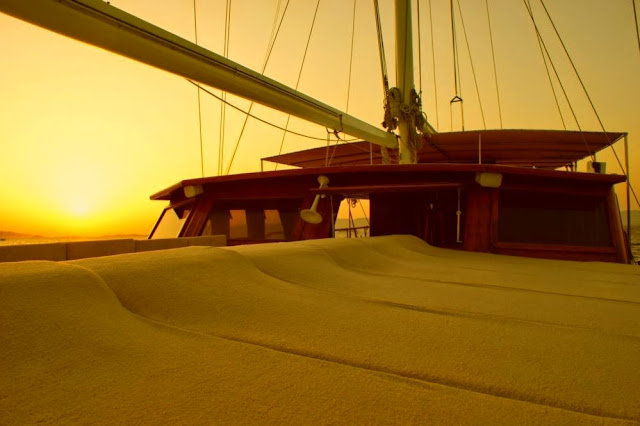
[(405, 105)]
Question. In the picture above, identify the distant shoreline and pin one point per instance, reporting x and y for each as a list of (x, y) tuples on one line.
[(15, 238)]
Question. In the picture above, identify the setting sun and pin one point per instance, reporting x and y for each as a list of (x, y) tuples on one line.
[(86, 136)]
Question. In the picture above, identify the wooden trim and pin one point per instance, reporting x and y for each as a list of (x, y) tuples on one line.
[(560, 252), (479, 217), (386, 188), (197, 217), (246, 241), (385, 171), (494, 224), (554, 248), (164, 211), (153, 230), (560, 187)]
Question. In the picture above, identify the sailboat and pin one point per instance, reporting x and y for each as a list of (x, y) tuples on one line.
[(496, 191), (379, 330)]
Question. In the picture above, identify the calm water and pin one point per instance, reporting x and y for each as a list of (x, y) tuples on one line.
[(635, 240)]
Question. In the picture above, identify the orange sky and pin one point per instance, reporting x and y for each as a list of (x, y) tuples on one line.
[(86, 136)]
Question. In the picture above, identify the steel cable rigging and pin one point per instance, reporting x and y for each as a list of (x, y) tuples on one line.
[(353, 32), (304, 57), (195, 31), (473, 71), (493, 57)]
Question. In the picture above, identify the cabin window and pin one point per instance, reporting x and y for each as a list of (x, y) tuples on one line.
[(238, 224), (273, 229), (171, 222), (352, 220), (252, 223), (432, 216), (549, 218)]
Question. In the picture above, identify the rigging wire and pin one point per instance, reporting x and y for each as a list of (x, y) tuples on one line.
[(456, 71), (353, 31), (473, 71), (544, 45), (195, 30), (383, 60), (635, 17), (493, 56), (364, 213), (275, 28), (275, 126), (383, 70), (223, 94), (433, 61), (419, 51), (304, 57), (270, 47), (326, 152), (546, 67), (575, 70)]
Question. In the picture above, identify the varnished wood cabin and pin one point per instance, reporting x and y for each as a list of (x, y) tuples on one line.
[(487, 191)]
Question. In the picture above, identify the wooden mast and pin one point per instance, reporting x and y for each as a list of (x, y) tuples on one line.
[(404, 80)]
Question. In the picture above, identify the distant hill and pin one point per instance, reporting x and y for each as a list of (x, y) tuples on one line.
[(17, 235), (28, 238)]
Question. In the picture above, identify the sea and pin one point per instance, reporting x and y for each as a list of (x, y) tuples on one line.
[(12, 239), (635, 242)]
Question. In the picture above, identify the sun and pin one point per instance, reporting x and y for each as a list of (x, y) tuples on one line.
[(79, 208)]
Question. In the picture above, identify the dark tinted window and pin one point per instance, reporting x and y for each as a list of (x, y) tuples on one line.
[(549, 218)]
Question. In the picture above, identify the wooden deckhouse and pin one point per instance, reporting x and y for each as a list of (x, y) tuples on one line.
[(486, 191), (489, 191)]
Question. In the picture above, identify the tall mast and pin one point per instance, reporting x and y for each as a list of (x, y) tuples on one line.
[(404, 80)]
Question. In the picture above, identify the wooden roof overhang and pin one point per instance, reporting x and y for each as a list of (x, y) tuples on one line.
[(298, 182), (526, 148)]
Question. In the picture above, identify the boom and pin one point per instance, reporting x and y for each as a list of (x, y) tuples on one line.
[(100, 24)]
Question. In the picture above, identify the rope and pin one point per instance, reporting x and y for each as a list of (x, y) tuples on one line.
[(383, 61), (635, 17), (433, 61), (275, 29), (593, 107), (493, 56), (364, 213), (546, 67), (270, 47), (326, 153), (304, 57), (223, 110), (456, 72), (535, 25), (195, 30), (260, 119), (353, 31), (575, 70), (419, 50), (583, 88), (328, 158), (473, 70), (335, 147)]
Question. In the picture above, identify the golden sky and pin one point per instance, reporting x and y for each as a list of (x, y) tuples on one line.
[(86, 136)]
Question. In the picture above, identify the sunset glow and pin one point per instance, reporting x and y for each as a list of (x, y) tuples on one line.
[(86, 136)]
